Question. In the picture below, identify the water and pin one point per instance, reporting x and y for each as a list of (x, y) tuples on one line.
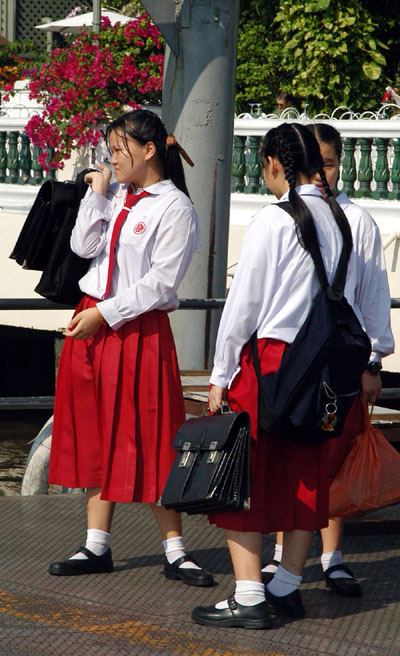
[(17, 431)]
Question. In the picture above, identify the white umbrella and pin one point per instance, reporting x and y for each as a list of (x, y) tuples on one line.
[(80, 21)]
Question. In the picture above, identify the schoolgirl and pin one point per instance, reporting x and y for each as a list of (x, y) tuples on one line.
[(118, 398), (272, 292), (371, 301)]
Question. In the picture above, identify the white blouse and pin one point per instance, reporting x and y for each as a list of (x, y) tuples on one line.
[(368, 290), (275, 283), (153, 252)]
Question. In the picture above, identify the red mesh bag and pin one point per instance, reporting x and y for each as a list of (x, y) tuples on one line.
[(369, 477)]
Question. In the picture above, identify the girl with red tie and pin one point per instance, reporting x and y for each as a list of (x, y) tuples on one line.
[(118, 399)]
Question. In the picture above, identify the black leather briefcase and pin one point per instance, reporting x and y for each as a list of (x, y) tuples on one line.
[(211, 472)]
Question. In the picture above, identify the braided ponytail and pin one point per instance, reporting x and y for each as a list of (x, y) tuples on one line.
[(287, 144), (297, 150)]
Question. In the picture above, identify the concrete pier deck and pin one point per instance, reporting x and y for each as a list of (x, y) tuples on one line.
[(135, 610)]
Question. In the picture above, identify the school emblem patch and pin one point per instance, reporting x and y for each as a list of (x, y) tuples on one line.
[(139, 228)]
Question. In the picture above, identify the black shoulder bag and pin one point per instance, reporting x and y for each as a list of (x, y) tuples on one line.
[(310, 395), (44, 241)]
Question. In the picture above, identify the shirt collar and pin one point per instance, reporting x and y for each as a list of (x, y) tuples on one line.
[(303, 190), (156, 189), (342, 199)]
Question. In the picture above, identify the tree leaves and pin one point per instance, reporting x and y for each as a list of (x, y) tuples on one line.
[(372, 70), (325, 52)]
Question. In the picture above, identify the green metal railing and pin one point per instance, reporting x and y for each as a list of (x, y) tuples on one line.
[(19, 160), (370, 166), (376, 179)]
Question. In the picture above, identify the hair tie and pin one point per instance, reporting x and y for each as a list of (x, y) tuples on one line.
[(171, 141)]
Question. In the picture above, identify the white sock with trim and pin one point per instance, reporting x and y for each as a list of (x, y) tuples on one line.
[(247, 593), (331, 558), (284, 582), (97, 542), (175, 549)]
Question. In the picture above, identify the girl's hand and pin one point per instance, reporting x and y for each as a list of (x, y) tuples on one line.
[(84, 325), (371, 387), (99, 180), (216, 396)]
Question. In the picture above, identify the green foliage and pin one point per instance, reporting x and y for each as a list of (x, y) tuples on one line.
[(23, 50), (256, 79), (16, 60), (127, 7), (329, 51), (386, 15), (325, 52)]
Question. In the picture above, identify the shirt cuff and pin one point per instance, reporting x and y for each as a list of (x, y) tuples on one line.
[(375, 357), (111, 314), (218, 377)]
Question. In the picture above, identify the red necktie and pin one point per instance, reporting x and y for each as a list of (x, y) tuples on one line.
[(130, 201)]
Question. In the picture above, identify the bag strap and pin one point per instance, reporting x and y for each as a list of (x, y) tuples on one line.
[(334, 291), (254, 353)]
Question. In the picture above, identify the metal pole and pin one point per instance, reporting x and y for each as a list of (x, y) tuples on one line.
[(198, 107), (49, 35), (8, 19), (96, 27)]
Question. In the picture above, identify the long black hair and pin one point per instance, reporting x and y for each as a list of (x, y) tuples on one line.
[(298, 151), (143, 126)]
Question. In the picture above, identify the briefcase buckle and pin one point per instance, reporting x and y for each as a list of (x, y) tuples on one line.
[(213, 456), (186, 455)]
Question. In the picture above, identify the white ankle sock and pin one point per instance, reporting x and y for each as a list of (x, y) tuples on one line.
[(247, 593), (330, 559), (277, 556), (284, 582), (174, 549), (97, 542)]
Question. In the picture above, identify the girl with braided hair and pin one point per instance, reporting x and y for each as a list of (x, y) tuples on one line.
[(272, 293), (119, 399), (371, 301)]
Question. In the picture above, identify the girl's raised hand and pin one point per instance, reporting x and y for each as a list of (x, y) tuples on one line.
[(99, 180)]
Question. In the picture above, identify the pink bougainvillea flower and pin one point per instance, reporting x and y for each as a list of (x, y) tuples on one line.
[(91, 81)]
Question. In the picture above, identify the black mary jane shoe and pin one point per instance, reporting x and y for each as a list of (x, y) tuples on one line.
[(342, 586), (247, 617), (267, 577), (91, 565), (189, 576), (290, 605)]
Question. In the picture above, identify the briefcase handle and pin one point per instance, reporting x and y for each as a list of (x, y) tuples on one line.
[(224, 409)]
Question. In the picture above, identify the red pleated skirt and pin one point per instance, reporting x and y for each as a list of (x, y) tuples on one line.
[(117, 408), (289, 481)]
